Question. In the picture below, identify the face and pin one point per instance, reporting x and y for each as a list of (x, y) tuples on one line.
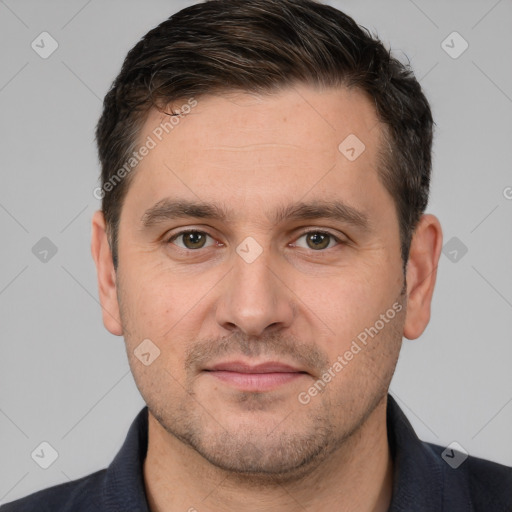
[(285, 278)]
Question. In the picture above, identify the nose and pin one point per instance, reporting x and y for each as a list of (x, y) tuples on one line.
[(255, 298)]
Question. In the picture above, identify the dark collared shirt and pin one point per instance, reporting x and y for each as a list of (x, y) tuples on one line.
[(423, 480)]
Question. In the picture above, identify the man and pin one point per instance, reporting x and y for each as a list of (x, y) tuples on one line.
[(263, 248)]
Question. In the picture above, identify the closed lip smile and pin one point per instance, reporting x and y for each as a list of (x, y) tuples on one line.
[(255, 377)]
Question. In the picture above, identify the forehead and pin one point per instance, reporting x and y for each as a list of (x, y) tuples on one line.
[(323, 116), (298, 143)]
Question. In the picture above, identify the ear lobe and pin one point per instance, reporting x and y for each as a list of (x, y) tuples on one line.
[(426, 245), (106, 273)]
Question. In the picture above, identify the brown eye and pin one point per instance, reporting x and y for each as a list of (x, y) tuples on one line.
[(318, 240), (190, 239)]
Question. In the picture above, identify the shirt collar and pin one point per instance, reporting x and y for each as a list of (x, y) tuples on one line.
[(417, 475), (422, 480), (124, 489)]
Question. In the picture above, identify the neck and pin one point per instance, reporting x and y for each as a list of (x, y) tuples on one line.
[(358, 476)]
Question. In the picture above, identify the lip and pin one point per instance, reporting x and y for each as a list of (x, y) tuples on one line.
[(266, 367), (258, 378)]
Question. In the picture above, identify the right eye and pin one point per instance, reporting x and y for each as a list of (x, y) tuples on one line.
[(191, 239)]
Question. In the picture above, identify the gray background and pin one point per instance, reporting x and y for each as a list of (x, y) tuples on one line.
[(65, 379)]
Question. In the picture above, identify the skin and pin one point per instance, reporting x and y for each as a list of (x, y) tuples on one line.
[(214, 446)]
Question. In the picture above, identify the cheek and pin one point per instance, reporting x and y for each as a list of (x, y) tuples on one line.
[(346, 306), (343, 304), (165, 307), (146, 304)]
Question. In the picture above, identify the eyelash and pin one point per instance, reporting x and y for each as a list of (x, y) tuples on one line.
[(312, 231)]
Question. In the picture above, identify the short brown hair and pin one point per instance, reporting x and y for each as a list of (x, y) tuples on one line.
[(262, 46)]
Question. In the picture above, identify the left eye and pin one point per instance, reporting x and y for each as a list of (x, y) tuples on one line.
[(318, 240)]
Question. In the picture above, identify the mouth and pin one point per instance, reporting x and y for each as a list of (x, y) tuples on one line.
[(257, 378)]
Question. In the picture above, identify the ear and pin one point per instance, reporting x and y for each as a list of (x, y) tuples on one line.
[(107, 287), (426, 245)]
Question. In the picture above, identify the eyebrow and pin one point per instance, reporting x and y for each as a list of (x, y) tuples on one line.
[(170, 209)]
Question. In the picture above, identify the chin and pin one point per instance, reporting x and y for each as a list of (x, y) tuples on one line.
[(257, 454)]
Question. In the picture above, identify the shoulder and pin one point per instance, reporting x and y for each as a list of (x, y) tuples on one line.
[(488, 483), (82, 495)]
